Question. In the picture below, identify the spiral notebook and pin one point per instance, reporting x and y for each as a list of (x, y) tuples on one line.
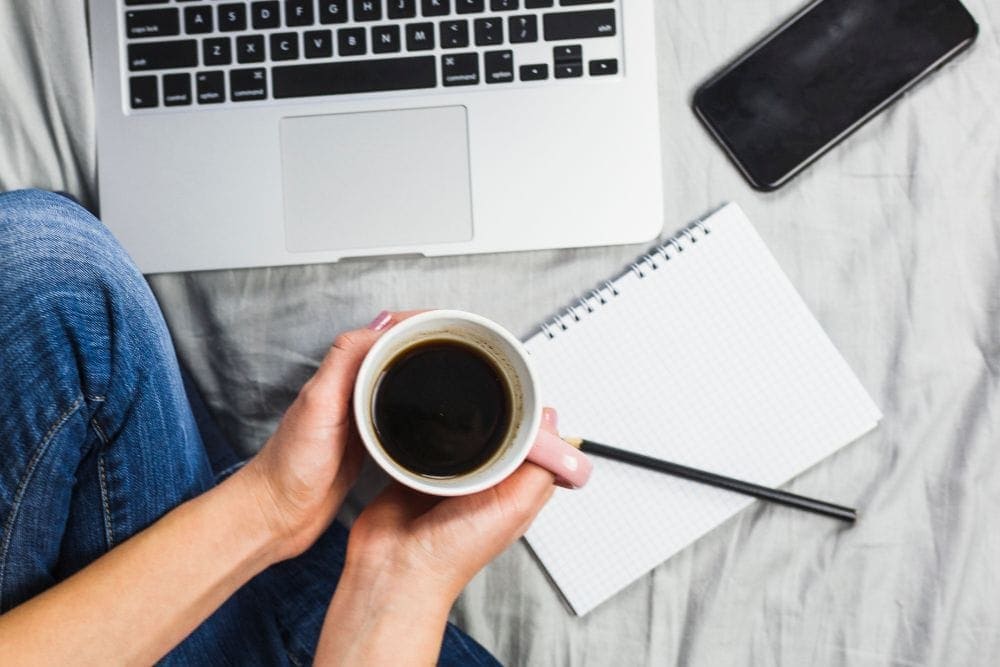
[(701, 353)]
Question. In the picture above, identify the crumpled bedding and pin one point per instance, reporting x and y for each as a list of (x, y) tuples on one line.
[(893, 242)]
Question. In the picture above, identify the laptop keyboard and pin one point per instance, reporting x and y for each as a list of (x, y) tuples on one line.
[(202, 53)]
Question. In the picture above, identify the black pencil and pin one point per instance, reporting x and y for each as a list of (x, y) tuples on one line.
[(728, 483)]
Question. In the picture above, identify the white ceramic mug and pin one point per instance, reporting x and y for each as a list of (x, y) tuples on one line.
[(524, 441)]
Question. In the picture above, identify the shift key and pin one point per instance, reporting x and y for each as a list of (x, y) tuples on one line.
[(163, 55), (579, 25)]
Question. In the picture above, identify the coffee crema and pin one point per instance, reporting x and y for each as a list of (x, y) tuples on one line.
[(442, 408)]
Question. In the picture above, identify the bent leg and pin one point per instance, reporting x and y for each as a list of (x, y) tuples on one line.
[(96, 435), (92, 406)]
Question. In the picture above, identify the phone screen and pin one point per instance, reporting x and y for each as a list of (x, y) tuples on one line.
[(821, 75)]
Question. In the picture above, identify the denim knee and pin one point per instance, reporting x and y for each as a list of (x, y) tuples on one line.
[(65, 285), (50, 244)]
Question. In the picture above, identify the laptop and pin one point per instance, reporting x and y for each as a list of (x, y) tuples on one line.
[(265, 132)]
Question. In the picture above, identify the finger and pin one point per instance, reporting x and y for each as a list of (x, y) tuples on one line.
[(399, 505), (526, 490), (550, 420), (333, 381)]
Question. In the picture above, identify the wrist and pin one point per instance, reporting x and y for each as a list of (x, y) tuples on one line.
[(259, 518), (379, 614)]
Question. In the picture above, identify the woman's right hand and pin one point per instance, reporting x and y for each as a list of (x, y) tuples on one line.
[(448, 540), (409, 555)]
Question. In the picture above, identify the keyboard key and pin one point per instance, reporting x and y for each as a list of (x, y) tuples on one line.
[(570, 3), (247, 84), (350, 42), (454, 34), (385, 39), (579, 25), (367, 10), (318, 43), (499, 66), (250, 49), (419, 36), (153, 23), (284, 46), (358, 76), (603, 67), (503, 5), (198, 19), (232, 17), (435, 7), (163, 55), (217, 51), (488, 31), (210, 87), (570, 53), (568, 70), (298, 12), (332, 11), (469, 6), (265, 15), (402, 9), (143, 2), (522, 29), (460, 69), (142, 92), (537, 4), (534, 72), (176, 89)]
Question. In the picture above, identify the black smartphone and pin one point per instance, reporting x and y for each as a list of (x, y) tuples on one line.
[(821, 75)]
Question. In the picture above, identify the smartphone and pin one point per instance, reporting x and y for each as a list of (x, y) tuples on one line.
[(821, 75)]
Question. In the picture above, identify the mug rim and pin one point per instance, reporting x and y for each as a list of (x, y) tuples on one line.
[(499, 469)]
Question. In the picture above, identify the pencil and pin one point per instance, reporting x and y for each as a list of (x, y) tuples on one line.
[(728, 483)]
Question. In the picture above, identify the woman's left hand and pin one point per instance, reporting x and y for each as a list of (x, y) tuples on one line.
[(303, 472)]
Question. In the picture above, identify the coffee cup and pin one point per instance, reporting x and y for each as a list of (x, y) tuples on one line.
[(448, 403)]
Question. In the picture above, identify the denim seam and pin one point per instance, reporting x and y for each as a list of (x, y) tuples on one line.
[(22, 486), (294, 659), (102, 478)]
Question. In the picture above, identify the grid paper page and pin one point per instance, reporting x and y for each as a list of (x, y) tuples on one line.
[(712, 361)]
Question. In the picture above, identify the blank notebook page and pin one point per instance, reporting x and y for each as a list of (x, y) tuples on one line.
[(711, 360)]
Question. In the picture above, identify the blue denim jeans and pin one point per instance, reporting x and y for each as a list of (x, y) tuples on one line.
[(99, 438)]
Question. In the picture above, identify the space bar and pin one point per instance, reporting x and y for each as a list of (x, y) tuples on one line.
[(354, 76)]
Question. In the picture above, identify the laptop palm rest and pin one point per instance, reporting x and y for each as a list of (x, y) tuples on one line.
[(378, 179)]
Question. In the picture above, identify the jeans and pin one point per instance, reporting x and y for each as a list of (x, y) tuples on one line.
[(99, 438)]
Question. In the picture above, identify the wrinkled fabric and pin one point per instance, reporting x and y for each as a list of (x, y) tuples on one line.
[(892, 240)]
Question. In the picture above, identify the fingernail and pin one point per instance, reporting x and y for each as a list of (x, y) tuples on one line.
[(550, 417), (381, 321)]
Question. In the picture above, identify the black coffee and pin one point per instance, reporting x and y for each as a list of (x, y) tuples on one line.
[(441, 408)]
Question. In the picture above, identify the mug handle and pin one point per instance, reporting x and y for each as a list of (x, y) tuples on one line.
[(570, 466)]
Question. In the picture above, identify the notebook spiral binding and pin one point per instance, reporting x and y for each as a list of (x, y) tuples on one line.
[(641, 267)]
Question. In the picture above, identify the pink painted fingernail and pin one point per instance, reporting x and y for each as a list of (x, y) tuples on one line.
[(550, 417), (381, 321)]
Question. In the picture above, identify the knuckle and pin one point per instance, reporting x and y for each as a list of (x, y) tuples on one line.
[(311, 396), (345, 342)]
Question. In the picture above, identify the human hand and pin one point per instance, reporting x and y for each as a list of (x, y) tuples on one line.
[(301, 475), (443, 542), (408, 557)]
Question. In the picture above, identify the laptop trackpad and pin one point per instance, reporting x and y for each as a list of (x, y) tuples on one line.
[(376, 179)]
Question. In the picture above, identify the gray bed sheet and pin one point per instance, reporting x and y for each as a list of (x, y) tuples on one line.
[(893, 242)]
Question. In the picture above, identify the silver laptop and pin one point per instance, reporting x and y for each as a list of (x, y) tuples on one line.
[(235, 134)]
